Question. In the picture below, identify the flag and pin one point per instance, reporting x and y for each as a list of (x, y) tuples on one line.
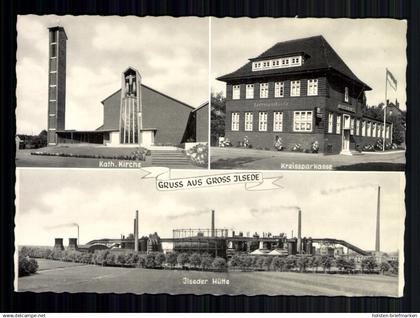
[(391, 80)]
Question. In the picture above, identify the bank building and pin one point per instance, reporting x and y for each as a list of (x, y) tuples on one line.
[(135, 114), (302, 92)]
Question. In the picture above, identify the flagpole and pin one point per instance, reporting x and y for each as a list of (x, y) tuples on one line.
[(386, 86)]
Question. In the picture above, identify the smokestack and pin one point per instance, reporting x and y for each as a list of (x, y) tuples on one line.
[(299, 238), (72, 243), (58, 244), (136, 232), (212, 223), (378, 222)]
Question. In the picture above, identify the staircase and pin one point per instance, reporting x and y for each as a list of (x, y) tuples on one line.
[(169, 158)]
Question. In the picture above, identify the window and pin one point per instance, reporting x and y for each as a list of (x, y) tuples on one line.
[(262, 122), (53, 50), (264, 90), (248, 121), (295, 88), (338, 125), (278, 121), (382, 131), (363, 128), (302, 121), (279, 89), (53, 36), (357, 127), (53, 65), (236, 92), (277, 63), (346, 94), (53, 93), (330, 122), (352, 126), (53, 78), (235, 121), (388, 129), (249, 93), (369, 131), (312, 87), (374, 130)]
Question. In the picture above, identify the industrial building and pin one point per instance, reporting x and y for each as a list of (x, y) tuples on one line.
[(223, 242), (135, 114), (300, 92)]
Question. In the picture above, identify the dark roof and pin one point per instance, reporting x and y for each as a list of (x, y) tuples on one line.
[(319, 55), (59, 28), (201, 106), (148, 87)]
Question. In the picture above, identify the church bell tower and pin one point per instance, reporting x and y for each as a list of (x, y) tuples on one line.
[(56, 83)]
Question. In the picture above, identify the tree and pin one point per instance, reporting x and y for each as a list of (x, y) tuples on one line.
[(195, 260), (394, 266), (236, 261), (159, 259), (247, 261), (369, 264), (326, 262), (171, 259), (182, 259), (302, 263), (267, 262), (278, 263), (219, 263), (351, 265), (290, 262), (259, 262), (218, 116), (206, 261), (384, 267), (315, 262), (150, 261), (141, 261), (341, 263)]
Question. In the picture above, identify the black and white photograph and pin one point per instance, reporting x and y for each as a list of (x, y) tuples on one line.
[(112, 92), (114, 231), (308, 94)]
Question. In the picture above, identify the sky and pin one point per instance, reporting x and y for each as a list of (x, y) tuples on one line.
[(367, 46), (338, 205), (171, 55)]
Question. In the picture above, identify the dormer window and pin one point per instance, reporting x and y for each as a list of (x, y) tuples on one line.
[(277, 63)]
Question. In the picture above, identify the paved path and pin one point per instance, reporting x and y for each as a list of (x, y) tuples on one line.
[(237, 158)]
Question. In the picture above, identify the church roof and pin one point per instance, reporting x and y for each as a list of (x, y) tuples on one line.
[(318, 53)]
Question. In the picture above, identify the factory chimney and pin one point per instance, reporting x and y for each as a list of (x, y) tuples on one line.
[(299, 236), (136, 232), (378, 222), (212, 223)]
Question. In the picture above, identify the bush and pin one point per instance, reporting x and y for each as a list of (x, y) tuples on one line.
[(315, 147), (219, 264), (27, 266), (206, 261), (199, 155), (195, 260), (182, 259), (159, 259), (278, 144), (171, 259)]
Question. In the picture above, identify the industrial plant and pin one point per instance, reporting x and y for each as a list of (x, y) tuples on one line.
[(224, 242)]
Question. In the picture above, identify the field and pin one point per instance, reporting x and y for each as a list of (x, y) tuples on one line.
[(70, 277), (237, 158)]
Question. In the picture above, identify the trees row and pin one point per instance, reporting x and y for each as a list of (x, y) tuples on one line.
[(314, 263), (205, 261)]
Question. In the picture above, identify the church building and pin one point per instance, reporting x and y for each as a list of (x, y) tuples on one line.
[(135, 114), (300, 92)]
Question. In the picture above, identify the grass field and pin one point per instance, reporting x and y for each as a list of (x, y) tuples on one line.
[(70, 277), (237, 158)]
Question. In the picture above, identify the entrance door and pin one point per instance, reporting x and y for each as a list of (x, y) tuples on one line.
[(147, 138), (346, 140)]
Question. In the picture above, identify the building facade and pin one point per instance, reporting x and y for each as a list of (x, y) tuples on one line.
[(299, 92)]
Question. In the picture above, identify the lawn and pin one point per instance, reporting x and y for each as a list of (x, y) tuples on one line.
[(70, 277), (237, 158)]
